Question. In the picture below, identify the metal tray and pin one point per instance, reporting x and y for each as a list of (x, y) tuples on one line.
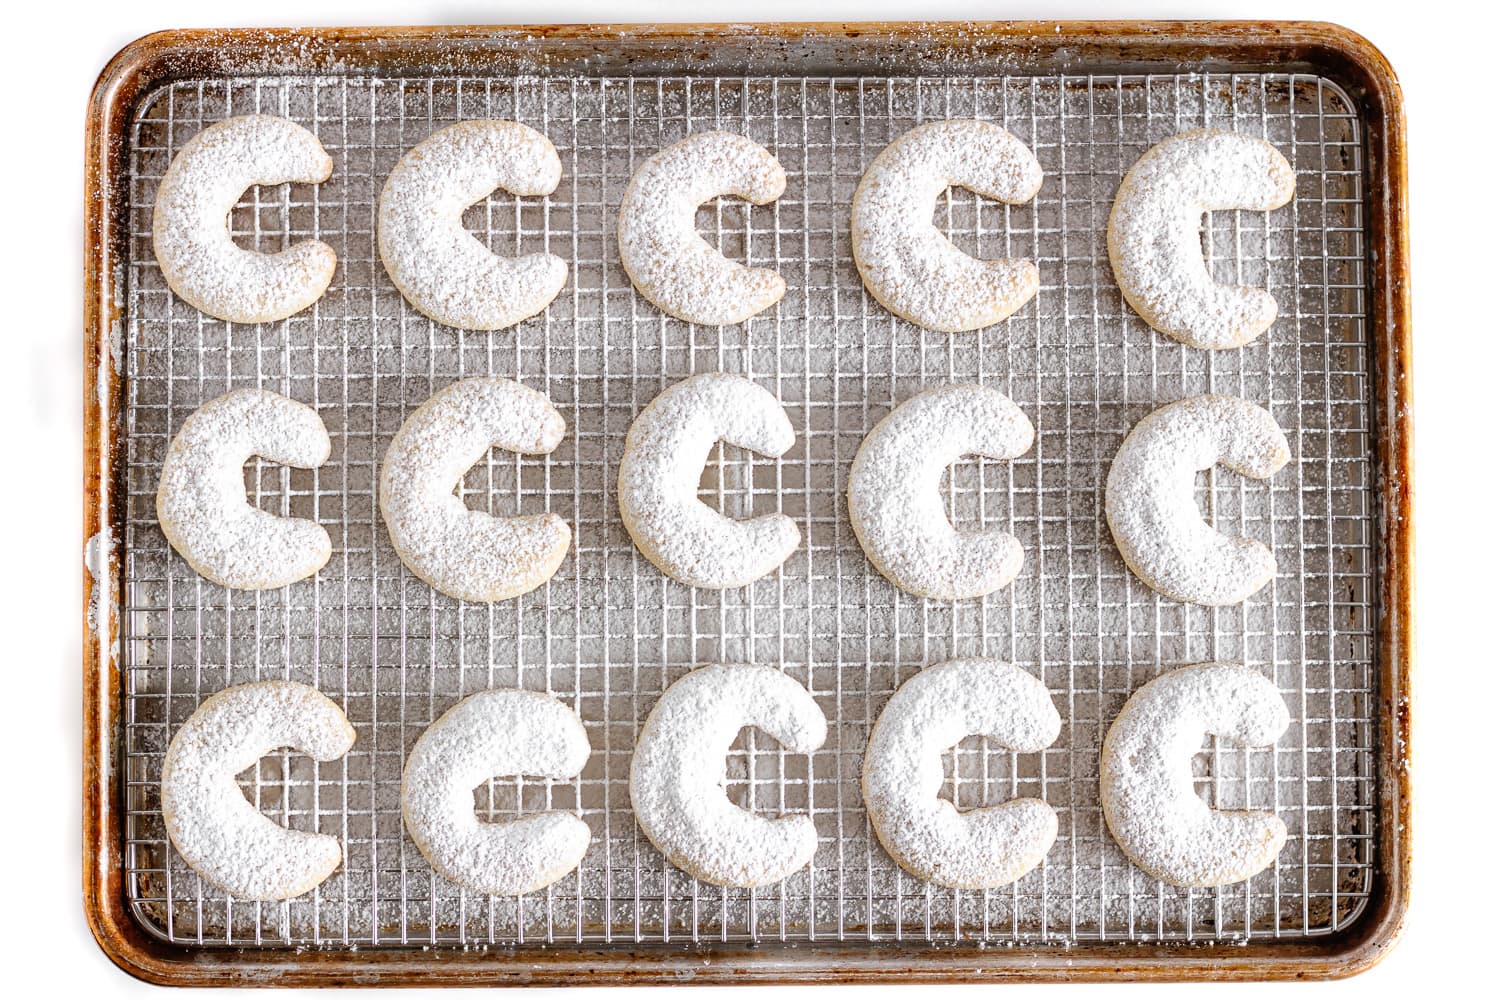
[(609, 632)]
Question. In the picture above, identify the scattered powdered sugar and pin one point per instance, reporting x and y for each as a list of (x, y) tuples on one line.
[(206, 177), (1154, 244), (896, 507), (200, 500), (667, 260), (903, 772), (211, 823), (466, 553), (911, 268), (1148, 498), (96, 559), (495, 734), (677, 776), (441, 268), (665, 451), (1146, 780)]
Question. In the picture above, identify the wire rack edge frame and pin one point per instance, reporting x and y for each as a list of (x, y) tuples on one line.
[(1009, 47)]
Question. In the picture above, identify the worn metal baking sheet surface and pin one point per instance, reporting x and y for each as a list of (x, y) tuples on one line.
[(609, 632)]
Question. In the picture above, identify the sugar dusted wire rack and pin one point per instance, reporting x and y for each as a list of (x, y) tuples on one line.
[(609, 632)]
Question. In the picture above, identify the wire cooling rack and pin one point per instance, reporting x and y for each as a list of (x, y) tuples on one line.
[(609, 632)]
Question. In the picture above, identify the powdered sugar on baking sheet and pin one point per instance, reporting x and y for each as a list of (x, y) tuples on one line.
[(200, 498), (907, 264), (466, 553), (208, 818), (668, 261), (206, 178), (440, 267), (1146, 782), (1150, 506), (1153, 233), (896, 508)]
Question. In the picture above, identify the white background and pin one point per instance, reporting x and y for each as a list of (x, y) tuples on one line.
[(1444, 56)]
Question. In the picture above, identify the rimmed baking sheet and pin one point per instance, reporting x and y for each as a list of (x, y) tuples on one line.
[(609, 632)]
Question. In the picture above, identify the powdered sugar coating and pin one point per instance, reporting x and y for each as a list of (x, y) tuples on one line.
[(200, 499), (1146, 778), (495, 734), (669, 263), (907, 264), (665, 451), (1148, 498), (903, 772), (677, 776), (1154, 244), (211, 823), (896, 508), (442, 268), (201, 186), (466, 553)]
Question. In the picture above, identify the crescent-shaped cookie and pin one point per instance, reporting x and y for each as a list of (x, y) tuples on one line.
[(668, 262), (441, 268), (1148, 498), (1154, 242), (200, 500), (678, 773), (896, 507), (930, 713), (466, 553), (495, 734), (1146, 777), (665, 450), (209, 820), (907, 264), (200, 188)]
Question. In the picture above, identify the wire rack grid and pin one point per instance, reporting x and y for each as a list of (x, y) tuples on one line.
[(609, 632)]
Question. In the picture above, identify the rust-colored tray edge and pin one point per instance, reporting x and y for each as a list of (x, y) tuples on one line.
[(1333, 51)]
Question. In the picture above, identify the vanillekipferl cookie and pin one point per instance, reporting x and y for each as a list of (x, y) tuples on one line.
[(1149, 503), (907, 264), (930, 713), (487, 735), (466, 553), (1146, 776), (677, 775), (665, 450), (896, 506), (200, 499), (1154, 242), (439, 266), (668, 262), (211, 823), (199, 260)]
